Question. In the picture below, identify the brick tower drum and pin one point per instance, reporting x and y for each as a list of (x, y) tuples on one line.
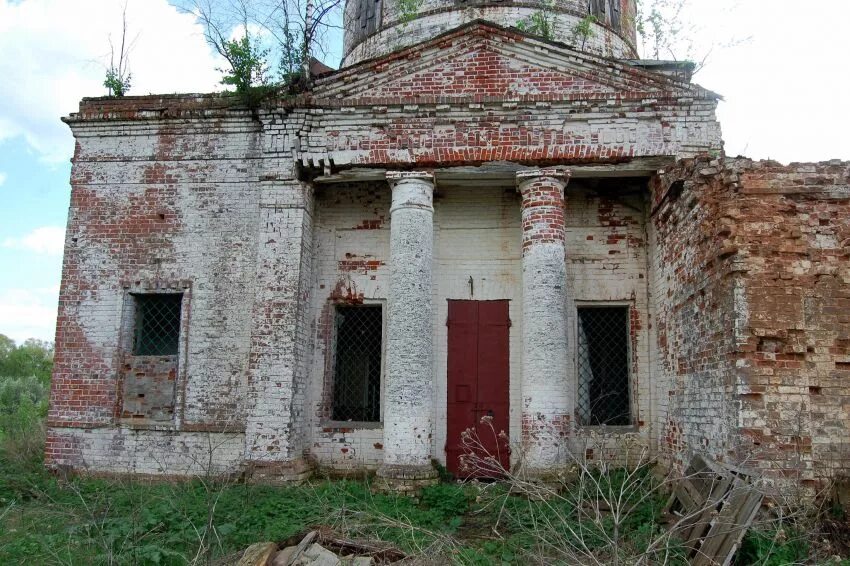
[(377, 27)]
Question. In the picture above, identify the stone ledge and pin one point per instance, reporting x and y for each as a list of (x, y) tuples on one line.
[(278, 473)]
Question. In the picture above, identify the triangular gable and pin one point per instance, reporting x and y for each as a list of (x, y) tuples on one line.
[(483, 61)]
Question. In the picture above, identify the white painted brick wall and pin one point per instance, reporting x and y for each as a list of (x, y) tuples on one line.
[(478, 235), (434, 17)]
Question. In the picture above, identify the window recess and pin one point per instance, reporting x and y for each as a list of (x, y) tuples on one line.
[(603, 366), (358, 351)]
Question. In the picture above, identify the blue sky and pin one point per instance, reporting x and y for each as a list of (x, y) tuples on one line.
[(787, 90)]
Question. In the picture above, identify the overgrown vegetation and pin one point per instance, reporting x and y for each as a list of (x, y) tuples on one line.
[(247, 61), (267, 44), (541, 22), (118, 75), (668, 30), (604, 514), (408, 10), (583, 31), (24, 387)]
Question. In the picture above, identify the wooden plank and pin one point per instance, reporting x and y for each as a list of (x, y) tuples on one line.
[(702, 525), (723, 525), (724, 505), (746, 516)]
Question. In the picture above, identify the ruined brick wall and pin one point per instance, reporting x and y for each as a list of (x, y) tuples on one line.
[(607, 265), (750, 284), (697, 311), (351, 252), (190, 194), (792, 232), (476, 95), (156, 205)]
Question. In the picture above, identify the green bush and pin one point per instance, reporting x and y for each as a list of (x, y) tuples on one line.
[(773, 547), (23, 406), (32, 358)]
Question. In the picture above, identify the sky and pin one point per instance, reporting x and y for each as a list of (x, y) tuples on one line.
[(781, 66)]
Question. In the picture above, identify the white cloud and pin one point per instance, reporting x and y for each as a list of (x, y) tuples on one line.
[(29, 313), (2, 178), (785, 88), (55, 51), (48, 240)]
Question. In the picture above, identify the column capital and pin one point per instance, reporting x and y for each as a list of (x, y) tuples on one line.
[(394, 177), (560, 173), (411, 189)]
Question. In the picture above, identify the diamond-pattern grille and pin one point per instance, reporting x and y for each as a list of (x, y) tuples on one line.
[(603, 366), (157, 324), (357, 364)]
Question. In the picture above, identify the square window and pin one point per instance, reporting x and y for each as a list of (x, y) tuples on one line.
[(603, 366), (358, 349), (157, 324)]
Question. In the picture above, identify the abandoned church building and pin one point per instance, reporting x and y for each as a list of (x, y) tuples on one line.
[(463, 221)]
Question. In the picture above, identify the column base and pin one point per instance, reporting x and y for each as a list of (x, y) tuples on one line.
[(292, 472), (408, 480)]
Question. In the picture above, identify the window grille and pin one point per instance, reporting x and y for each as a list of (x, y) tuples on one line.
[(157, 330), (357, 364), (603, 366)]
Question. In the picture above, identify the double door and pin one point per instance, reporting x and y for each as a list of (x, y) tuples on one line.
[(478, 381)]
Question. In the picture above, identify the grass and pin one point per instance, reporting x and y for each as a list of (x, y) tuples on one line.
[(122, 521), (49, 520), (88, 521), (44, 520)]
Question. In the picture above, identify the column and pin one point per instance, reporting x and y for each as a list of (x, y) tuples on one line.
[(408, 388), (546, 394), (277, 366)]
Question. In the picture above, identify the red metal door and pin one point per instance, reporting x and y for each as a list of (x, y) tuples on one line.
[(478, 379)]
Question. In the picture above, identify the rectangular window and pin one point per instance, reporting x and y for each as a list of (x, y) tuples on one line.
[(157, 324), (357, 363), (603, 366)]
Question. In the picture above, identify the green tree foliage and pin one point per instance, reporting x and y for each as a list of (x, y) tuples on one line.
[(583, 30), (24, 387), (115, 83), (248, 64), (281, 33), (33, 358)]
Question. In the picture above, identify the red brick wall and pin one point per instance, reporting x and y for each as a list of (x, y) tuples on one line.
[(793, 231), (155, 207), (109, 239), (693, 281), (754, 321)]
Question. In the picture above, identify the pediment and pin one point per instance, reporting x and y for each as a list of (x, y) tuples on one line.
[(482, 61)]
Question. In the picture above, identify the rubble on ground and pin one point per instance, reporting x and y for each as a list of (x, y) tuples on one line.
[(320, 548)]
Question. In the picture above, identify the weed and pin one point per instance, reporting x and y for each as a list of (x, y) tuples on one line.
[(408, 10), (773, 547), (540, 22)]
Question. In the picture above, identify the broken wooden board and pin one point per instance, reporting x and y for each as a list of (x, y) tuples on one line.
[(715, 506)]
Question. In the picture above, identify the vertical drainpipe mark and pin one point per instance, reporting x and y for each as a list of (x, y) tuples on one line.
[(471, 287)]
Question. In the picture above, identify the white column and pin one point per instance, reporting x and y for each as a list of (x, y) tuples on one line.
[(546, 394), (408, 388), (277, 367)]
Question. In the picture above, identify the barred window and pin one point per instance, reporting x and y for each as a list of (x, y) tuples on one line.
[(157, 324), (358, 340), (603, 366)]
